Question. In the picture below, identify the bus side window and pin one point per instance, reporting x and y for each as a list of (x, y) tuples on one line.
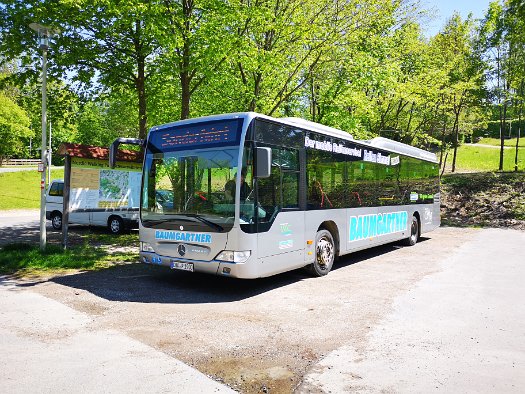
[(290, 189), (269, 189), (281, 189)]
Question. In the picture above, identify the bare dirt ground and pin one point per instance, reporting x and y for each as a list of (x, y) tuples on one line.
[(484, 199), (259, 335)]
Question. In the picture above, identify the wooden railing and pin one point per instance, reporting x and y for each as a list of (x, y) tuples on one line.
[(21, 162)]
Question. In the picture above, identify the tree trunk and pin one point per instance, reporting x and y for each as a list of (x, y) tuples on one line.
[(184, 72), (313, 102), (185, 95), (257, 77), (456, 133), (502, 126), (409, 118), (444, 164), (443, 138), (143, 116), (519, 127), (140, 82)]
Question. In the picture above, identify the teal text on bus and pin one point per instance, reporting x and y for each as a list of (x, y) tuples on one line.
[(179, 236), (367, 226)]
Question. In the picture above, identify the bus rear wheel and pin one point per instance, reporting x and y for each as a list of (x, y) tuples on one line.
[(414, 233), (324, 254)]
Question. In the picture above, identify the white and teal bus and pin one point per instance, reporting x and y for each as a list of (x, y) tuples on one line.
[(247, 195)]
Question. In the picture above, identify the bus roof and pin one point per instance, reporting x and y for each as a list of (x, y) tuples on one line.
[(377, 142)]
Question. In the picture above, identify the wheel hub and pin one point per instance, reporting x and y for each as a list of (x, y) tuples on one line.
[(325, 252)]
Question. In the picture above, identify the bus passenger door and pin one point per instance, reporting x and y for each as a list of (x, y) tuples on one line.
[(280, 239)]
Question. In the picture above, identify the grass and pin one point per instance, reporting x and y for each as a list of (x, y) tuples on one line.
[(89, 249), (508, 142), (99, 237), (479, 158), (21, 190), (27, 259)]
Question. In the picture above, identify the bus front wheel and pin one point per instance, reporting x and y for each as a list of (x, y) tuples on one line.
[(324, 254), (414, 232)]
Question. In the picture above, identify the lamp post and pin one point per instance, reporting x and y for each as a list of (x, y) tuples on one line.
[(44, 33)]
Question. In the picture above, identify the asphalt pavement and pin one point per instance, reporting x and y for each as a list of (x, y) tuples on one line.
[(444, 316), (48, 347), (460, 330)]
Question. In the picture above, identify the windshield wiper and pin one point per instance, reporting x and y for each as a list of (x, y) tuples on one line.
[(157, 222), (205, 221), (185, 217)]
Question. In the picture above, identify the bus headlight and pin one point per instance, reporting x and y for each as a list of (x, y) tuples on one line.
[(146, 247), (234, 256)]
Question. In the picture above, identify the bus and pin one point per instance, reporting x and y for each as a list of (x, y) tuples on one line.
[(247, 195)]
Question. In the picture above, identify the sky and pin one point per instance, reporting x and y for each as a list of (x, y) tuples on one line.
[(445, 8)]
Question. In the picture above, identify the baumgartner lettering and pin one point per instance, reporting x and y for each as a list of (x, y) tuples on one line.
[(186, 237), (366, 226)]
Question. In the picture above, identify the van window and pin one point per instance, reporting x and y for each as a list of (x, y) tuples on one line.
[(57, 189)]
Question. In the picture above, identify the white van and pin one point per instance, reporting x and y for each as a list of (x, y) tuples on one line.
[(116, 220)]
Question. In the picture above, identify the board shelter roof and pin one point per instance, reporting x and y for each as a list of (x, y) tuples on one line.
[(97, 152)]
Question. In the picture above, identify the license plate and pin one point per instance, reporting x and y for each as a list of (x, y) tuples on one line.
[(177, 265)]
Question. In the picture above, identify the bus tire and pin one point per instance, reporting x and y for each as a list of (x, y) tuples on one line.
[(324, 254), (56, 220), (414, 233), (115, 225)]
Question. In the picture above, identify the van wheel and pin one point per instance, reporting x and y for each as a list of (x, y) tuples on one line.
[(115, 225), (56, 220), (414, 233), (324, 254)]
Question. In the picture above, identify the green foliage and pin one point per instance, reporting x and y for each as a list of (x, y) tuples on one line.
[(359, 65), (14, 128), (21, 190), (101, 121)]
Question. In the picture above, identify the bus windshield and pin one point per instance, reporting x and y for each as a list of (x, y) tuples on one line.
[(189, 177)]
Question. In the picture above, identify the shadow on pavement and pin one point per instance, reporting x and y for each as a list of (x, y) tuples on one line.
[(29, 233), (153, 284)]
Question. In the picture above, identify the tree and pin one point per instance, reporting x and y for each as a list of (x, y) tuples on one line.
[(101, 42), (14, 128), (454, 47), (100, 122), (281, 44), (515, 22), (197, 45), (495, 46)]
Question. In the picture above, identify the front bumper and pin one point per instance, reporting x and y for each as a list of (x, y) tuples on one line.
[(214, 267)]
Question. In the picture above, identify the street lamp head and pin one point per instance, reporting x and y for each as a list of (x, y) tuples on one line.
[(44, 33)]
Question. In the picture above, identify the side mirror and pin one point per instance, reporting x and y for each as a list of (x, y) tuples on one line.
[(264, 162), (113, 148)]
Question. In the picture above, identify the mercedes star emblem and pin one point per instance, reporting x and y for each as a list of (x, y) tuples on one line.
[(181, 249)]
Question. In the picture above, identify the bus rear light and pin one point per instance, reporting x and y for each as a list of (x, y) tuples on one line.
[(234, 256)]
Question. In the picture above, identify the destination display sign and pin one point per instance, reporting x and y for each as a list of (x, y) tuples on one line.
[(216, 133), (354, 151)]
